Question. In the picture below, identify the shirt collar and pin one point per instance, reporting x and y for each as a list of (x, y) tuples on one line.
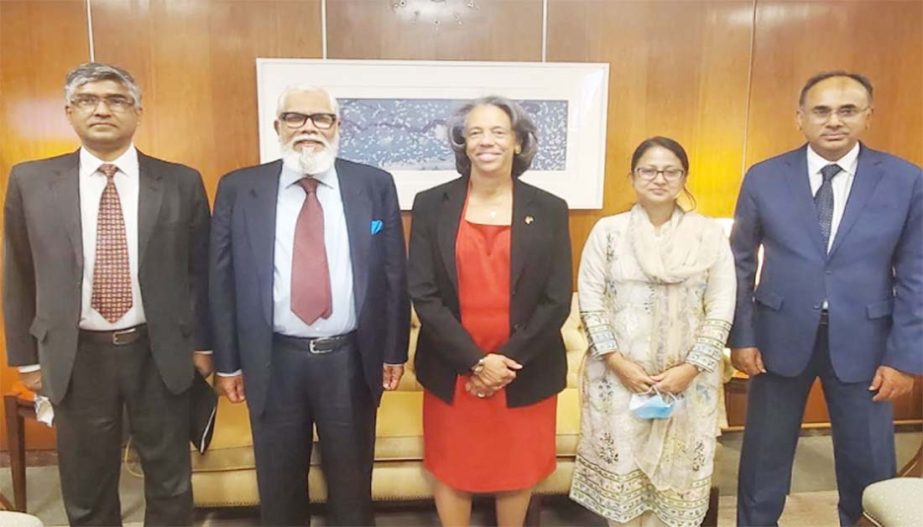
[(290, 177), (848, 163), (127, 162)]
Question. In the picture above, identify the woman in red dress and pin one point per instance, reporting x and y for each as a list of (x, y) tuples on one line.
[(490, 276)]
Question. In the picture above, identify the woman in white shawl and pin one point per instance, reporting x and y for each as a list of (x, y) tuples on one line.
[(656, 289)]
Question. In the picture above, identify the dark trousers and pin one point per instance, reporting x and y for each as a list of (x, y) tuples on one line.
[(107, 378), (329, 391), (863, 439)]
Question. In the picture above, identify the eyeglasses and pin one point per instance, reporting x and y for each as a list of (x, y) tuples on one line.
[(117, 103), (294, 120), (669, 174), (823, 113)]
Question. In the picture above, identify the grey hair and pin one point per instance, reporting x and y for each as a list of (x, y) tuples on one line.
[(521, 123), (334, 105), (98, 71)]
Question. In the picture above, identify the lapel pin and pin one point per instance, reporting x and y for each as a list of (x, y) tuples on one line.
[(529, 220)]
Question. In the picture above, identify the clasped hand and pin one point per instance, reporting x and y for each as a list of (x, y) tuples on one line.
[(673, 380), (493, 373)]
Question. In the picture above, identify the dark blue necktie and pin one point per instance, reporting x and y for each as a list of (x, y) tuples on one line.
[(823, 200)]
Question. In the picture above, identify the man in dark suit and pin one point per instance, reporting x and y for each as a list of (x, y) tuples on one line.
[(840, 297), (311, 311), (105, 300)]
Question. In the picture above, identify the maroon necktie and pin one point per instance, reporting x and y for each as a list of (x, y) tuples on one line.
[(311, 298), (111, 295)]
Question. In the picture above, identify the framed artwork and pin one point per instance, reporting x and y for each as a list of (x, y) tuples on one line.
[(395, 115)]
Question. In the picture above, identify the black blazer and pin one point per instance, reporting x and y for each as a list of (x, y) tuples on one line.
[(540, 292), (43, 267)]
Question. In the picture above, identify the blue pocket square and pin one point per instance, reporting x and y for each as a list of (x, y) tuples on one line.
[(377, 226)]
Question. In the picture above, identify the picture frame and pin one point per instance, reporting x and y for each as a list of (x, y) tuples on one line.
[(394, 114)]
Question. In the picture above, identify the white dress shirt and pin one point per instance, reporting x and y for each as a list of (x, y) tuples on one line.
[(336, 239), (841, 182), (92, 184)]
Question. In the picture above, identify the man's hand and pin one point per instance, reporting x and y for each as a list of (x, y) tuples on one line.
[(391, 376), (231, 387), (676, 379), (630, 373), (203, 363), (497, 371), (890, 384), (32, 380), (748, 360)]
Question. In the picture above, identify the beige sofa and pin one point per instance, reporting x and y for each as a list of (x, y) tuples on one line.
[(225, 475)]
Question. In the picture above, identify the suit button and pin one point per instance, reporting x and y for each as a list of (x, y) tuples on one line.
[(517, 327), (828, 272)]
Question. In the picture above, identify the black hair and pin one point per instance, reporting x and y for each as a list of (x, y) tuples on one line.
[(858, 77)]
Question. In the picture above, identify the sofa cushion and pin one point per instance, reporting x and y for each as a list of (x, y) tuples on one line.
[(894, 502)]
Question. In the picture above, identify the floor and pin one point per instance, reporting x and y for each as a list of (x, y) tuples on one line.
[(812, 502)]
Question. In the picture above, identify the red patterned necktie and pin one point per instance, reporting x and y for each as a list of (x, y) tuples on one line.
[(111, 274), (311, 297)]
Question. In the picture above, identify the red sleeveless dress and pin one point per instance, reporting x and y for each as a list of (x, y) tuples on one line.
[(480, 445)]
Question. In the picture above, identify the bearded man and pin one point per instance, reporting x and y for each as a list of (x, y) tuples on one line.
[(311, 310)]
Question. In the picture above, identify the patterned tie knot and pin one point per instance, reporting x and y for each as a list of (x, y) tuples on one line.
[(829, 171), (108, 170), (309, 184)]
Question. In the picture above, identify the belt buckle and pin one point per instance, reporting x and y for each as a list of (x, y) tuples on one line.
[(311, 347), (116, 336)]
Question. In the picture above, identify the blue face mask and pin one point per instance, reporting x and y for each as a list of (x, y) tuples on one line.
[(653, 405)]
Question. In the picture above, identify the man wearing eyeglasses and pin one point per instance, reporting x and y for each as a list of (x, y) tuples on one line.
[(311, 312), (840, 298), (105, 300)]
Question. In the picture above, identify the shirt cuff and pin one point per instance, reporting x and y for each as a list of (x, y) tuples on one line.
[(30, 368), (393, 364), (234, 374), (204, 352)]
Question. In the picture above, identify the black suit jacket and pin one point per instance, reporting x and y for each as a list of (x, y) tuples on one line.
[(540, 292), (242, 262), (43, 267)]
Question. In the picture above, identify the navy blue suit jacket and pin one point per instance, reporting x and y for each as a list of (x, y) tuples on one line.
[(242, 262), (872, 276)]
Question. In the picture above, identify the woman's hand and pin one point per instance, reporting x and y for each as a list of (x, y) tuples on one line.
[(477, 388), (676, 379), (496, 371), (630, 373)]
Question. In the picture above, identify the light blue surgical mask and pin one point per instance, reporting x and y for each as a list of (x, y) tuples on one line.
[(653, 404)]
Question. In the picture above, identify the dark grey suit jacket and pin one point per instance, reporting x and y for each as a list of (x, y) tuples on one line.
[(43, 267)]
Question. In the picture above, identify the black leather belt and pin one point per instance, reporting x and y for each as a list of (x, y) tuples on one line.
[(317, 346), (119, 337)]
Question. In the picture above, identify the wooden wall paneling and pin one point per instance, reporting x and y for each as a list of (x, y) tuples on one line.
[(795, 40), (39, 43), (678, 69), (196, 62), (503, 30), (489, 30)]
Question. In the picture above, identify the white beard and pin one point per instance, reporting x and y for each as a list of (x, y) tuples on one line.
[(309, 161)]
